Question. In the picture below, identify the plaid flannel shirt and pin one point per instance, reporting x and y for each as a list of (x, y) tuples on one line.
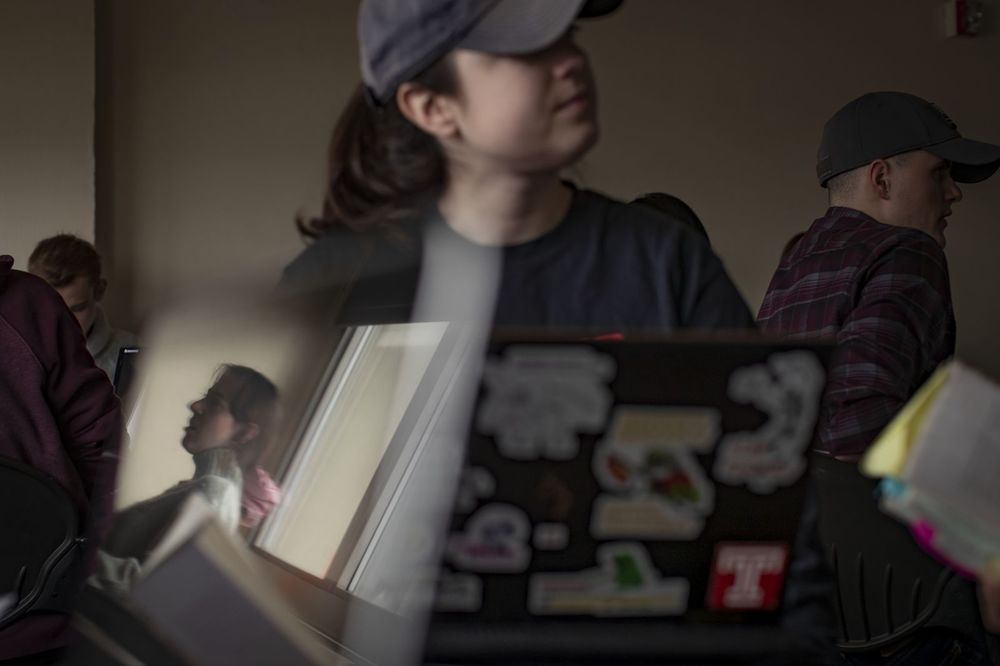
[(884, 292)]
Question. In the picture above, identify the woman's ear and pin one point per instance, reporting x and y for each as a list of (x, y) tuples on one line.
[(247, 432), (432, 112)]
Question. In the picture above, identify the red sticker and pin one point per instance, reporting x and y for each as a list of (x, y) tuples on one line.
[(747, 576)]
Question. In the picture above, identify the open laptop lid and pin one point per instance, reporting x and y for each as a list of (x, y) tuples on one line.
[(610, 486)]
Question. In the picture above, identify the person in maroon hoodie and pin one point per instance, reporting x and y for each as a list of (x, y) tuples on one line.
[(59, 414)]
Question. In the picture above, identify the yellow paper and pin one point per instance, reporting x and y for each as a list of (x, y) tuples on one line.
[(888, 453)]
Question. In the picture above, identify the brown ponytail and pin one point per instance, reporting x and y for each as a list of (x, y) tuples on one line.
[(381, 167)]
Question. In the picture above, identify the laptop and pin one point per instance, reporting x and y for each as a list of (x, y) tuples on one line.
[(125, 370), (627, 501)]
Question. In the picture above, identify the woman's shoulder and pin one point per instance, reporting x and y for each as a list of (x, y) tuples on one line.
[(337, 256), (636, 222), (324, 261)]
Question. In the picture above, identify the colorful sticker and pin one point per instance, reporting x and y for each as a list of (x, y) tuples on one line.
[(693, 428), (649, 519), (655, 488), (747, 576), (476, 483), (540, 397), (495, 540), (623, 584), (550, 536), (458, 593), (788, 390)]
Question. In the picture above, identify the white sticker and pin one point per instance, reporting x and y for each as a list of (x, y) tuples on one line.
[(459, 593), (693, 428), (655, 490), (495, 540), (623, 584), (540, 397), (550, 536), (476, 483), (788, 390), (614, 518)]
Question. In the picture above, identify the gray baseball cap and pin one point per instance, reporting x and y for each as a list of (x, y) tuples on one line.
[(883, 124), (401, 38)]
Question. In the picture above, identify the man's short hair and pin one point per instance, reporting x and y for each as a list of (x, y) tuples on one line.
[(844, 186), (63, 258)]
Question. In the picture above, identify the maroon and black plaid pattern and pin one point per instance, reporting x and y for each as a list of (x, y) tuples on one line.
[(883, 292)]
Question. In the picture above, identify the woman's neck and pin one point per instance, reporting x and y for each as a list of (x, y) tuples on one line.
[(491, 208)]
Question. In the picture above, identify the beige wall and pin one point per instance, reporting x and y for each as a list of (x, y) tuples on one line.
[(46, 122), (222, 111)]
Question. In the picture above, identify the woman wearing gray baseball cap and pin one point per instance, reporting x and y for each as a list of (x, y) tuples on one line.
[(469, 112)]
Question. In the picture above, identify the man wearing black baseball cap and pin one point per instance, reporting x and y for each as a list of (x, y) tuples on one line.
[(872, 270)]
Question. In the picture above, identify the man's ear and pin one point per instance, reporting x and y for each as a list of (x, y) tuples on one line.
[(431, 112), (879, 178), (99, 288)]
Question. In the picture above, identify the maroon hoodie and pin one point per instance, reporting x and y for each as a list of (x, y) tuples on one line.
[(58, 413)]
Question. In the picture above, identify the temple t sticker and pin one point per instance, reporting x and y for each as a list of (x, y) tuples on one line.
[(540, 397), (787, 389), (747, 576), (623, 584), (654, 486), (495, 540)]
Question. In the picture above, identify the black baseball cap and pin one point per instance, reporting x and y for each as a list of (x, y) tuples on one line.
[(882, 124), (401, 38)]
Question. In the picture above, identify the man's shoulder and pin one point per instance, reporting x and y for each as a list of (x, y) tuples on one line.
[(868, 235), (29, 304), (14, 282)]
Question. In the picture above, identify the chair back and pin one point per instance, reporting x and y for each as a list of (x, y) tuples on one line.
[(887, 586), (42, 546)]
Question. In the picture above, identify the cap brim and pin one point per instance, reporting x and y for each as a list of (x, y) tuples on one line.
[(972, 161), (597, 8), (517, 27)]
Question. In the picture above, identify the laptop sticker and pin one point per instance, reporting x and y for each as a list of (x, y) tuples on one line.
[(458, 593), (539, 397), (555, 497), (654, 486), (476, 483), (693, 428), (649, 519), (623, 584), (747, 576), (495, 540), (550, 536), (787, 389)]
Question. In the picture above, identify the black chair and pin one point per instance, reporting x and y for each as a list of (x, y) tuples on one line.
[(41, 557), (887, 587)]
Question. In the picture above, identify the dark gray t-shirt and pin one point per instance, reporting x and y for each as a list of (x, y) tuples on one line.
[(608, 267)]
